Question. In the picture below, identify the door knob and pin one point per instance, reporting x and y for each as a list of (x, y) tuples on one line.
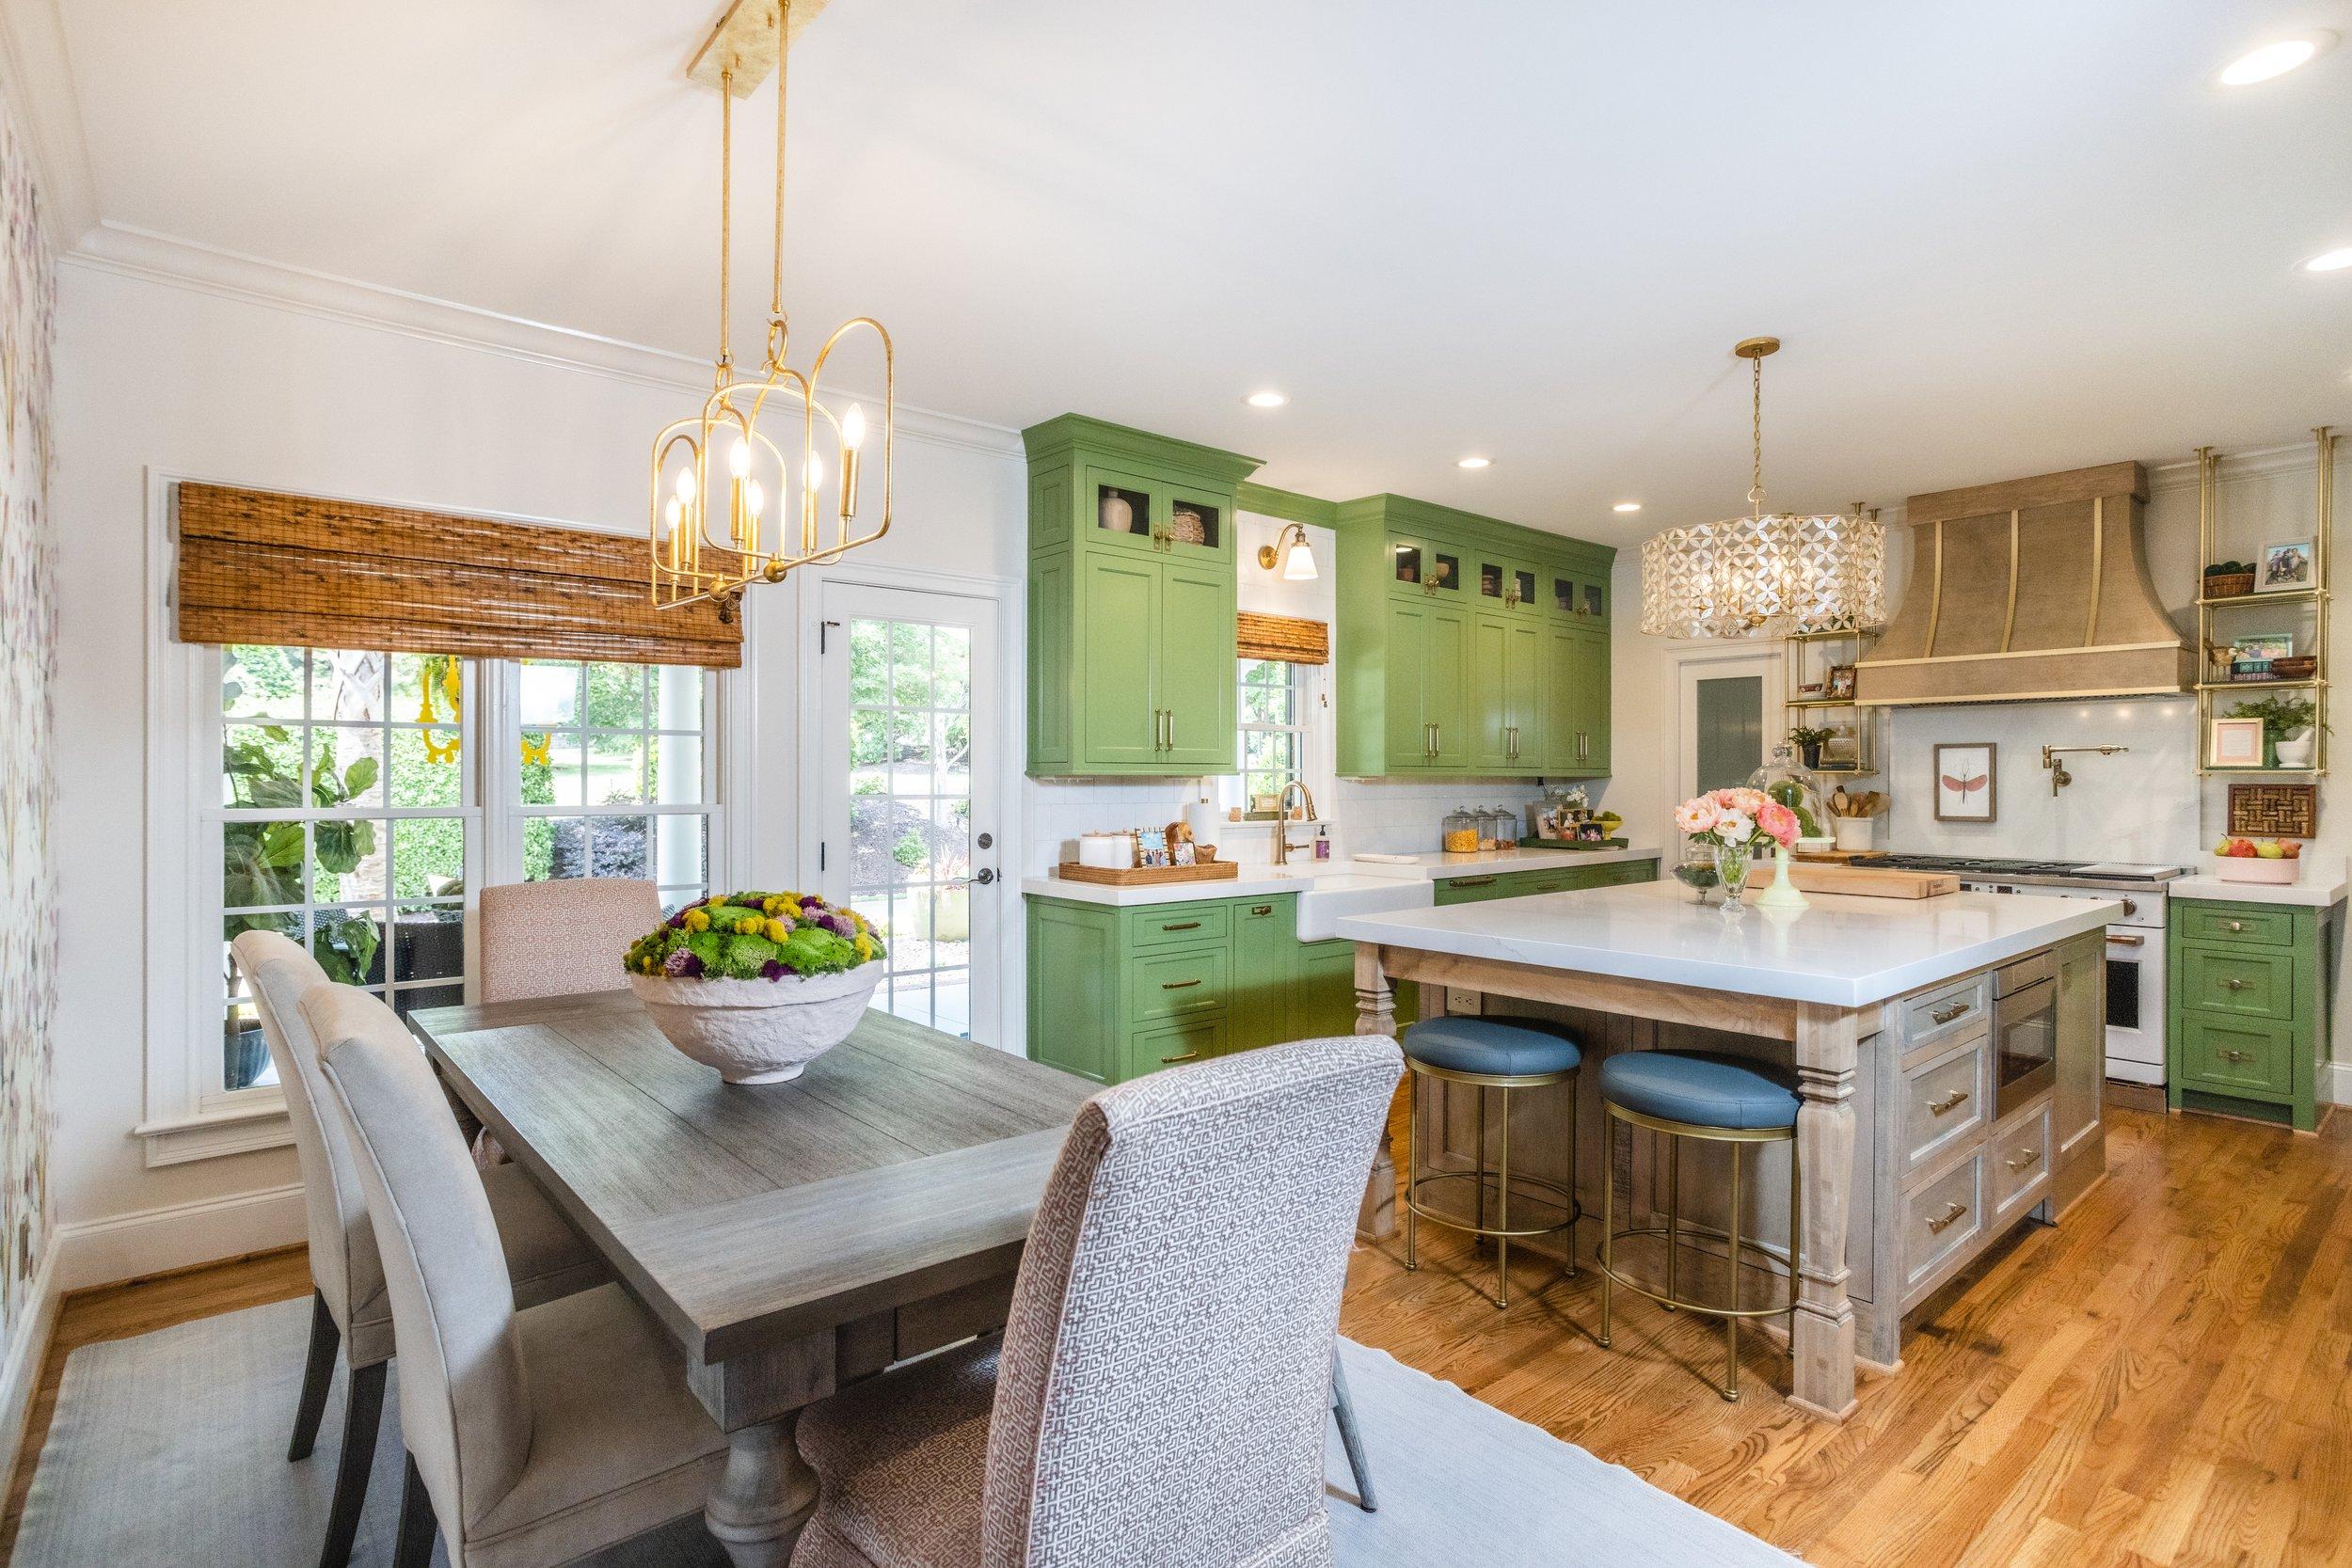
[(985, 875)]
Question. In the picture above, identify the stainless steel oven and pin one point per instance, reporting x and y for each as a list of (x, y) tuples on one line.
[(2025, 1029)]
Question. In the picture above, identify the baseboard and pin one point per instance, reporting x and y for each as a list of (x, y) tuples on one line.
[(178, 1236), (2335, 1083), (28, 1348)]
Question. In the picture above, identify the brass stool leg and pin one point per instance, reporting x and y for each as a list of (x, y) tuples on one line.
[(1480, 1090), (1796, 1234), (1731, 1323), (1412, 1171), (1575, 1213), (1608, 1216), (1502, 1211), (1674, 1214)]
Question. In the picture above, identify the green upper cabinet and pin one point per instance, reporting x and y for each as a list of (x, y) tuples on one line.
[(1131, 602), (1467, 647)]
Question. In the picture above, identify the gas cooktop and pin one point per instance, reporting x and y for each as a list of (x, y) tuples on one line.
[(1973, 867)]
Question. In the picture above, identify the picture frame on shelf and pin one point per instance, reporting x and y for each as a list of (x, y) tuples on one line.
[(1966, 781), (2251, 656), (2234, 743), (2286, 566), (1841, 682)]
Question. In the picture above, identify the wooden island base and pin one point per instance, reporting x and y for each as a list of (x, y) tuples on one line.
[(1898, 1194)]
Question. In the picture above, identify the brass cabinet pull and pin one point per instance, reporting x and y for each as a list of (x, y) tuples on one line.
[(2233, 985), (1945, 1015), (1261, 909), (1437, 744), (1171, 728), (1944, 1221), (1182, 925), (2025, 1157), (1475, 881), (1177, 985), (2125, 939), (1950, 1101), (1187, 1056), (2237, 1055)]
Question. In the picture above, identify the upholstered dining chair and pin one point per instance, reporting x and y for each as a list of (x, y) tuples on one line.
[(560, 938), (536, 1437), (1159, 1392), (544, 1256)]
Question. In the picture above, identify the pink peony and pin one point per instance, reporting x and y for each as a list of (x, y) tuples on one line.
[(1779, 822), (1696, 817)]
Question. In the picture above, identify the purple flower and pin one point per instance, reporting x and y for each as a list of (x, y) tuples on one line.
[(683, 962), (838, 924), (773, 970), (810, 901), (678, 921)]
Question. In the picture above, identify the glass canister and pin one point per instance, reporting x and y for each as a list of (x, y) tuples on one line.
[(1460, 833), (1782, 779)]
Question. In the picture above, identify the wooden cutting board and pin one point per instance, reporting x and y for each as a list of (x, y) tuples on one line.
[(1145, 876), (1864, 881)]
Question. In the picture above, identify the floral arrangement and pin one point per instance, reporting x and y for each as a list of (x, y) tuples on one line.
[(755, 936), (1743, 820)]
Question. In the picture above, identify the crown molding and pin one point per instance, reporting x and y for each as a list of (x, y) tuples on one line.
[(126, 251), (37, 76)]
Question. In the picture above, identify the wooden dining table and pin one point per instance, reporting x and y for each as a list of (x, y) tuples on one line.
[(794, 1236)]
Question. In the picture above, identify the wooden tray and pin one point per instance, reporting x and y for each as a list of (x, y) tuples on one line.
[(1864, 881), (1573, 844), (1145, 876)]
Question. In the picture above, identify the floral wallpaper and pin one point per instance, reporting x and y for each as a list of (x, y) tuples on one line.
[(28, 651)]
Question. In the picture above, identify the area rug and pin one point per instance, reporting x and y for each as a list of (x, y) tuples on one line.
[(170, 1448)]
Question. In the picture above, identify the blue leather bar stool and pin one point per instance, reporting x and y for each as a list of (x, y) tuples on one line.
[(1504, 1055), (1712, 1099)]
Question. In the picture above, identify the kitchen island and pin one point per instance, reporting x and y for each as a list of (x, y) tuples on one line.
[(1949, 1053)]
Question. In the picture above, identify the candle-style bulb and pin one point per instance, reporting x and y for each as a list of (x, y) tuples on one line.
[(686, 486), (816, 474), (676, 513), (752, 498), (739, 460), (853, 428)]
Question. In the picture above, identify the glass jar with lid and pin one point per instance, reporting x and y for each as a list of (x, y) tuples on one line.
[(1460, 833), (1504, 824), (1783, 780)]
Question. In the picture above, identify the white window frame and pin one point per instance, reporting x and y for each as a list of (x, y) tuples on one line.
[(187, 1115), (1312, 722)]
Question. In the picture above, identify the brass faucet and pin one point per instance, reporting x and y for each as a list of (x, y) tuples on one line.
[(2059, 777), (1282, 845)]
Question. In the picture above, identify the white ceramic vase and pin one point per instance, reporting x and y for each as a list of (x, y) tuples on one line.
[(757, 1031)]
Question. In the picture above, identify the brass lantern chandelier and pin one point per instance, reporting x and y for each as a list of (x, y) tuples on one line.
[(765, 477), (1766, 573)]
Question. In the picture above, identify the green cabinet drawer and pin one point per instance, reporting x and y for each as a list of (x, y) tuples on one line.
[(2236, 1056), (2236, 923), (2247, 981), (1178, 925), (1150, 1050), (1177, 982), (1475, 890)]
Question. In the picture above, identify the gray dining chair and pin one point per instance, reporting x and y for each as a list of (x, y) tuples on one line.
[(349, 1310), (536, 1437), (1159, 1392)]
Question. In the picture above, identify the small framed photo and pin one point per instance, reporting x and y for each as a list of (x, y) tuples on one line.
[(2234, 743), (1181, 854), (1965, 787), (1151, 846), (2283, 567), (1842, 680)]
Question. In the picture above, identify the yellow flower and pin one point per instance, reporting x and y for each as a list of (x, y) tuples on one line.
[(865, 946), (748, 926), (778, 931), (772, 903), (786, 911), (857, 920), (697, 921)]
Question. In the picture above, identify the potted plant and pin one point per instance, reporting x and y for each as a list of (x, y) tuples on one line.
[(1731, 825), (2286, 728), (1808, 742), (756, 984)]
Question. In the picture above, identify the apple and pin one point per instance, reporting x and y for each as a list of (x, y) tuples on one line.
[(2222, 848), (2269, 849), (2240, 850), (2291, 851)]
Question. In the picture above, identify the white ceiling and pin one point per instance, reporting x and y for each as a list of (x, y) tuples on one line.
[(1998, 238)]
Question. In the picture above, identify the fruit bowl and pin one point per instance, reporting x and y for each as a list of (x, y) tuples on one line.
[(2234, 868)]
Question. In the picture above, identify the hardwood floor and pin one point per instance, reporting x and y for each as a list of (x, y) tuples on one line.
[(2164, 1380)]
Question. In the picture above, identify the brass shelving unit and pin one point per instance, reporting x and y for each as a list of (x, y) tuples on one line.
[(1810, 711), (2212, 612)]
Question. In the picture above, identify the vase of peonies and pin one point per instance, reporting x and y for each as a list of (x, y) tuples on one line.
[(756, 984), (1733, 824)]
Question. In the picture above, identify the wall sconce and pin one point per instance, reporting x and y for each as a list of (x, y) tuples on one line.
[(1291, 548)]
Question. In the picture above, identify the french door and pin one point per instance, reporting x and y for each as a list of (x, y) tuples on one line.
[(909, 734)]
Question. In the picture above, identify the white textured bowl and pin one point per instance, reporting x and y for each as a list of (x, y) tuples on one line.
[(2242, 868), (757, 1031)]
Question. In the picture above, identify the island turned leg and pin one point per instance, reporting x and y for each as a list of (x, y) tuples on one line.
[(1375, 1014), (1822, 1337)]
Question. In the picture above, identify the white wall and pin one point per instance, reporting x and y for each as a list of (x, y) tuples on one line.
[(215, 382)]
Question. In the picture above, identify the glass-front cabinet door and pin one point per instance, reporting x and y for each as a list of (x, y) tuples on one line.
[(1506, 584), (1417, 565), (1135, 513), (1579, 597)]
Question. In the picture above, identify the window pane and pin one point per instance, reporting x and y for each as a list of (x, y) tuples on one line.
[(951, 669), (620, 847), (951, 839), (348, 943), (874, 832), (1265, 704), (345, 686), (910, 664), (346, 766), (675, 769), (538, 771), (427, 689), (952, 751), (911, 750), (261, 864), (869, 661), (261, 766), (677, 697), (680, 851), (550, 694), (426, 769), (429, 858), (348, 860), (555, 849), (617, 696), (406, 1002), (616, 770), (261, 683), (562, 783), (244, 1050), (429, 943)]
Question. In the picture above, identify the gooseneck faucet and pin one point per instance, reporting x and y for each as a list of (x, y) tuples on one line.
[(1282, 845), (2059, 777)]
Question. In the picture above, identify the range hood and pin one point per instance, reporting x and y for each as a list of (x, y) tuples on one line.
[(2036, 588)]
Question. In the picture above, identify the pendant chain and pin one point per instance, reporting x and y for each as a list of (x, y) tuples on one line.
[(1756, 429), (726, 215), (775, 294)]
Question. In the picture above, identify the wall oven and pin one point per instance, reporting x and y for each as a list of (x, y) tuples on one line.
[(2025, 1031)]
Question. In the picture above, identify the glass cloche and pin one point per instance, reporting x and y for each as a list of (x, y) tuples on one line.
[(1786, 782)]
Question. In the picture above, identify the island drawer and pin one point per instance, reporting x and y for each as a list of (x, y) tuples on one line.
[(1945, 1102), (2019, 1149), (2244, 980), (2237, 922), (1169, 925), (1947, 1011), (2237, 1055), (1177, 982), (1941, 1220)]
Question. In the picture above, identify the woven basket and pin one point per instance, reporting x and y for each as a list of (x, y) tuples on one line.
[(2229, 585), (2301, 667)]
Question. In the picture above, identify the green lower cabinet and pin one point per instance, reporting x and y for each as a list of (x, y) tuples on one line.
[(1074, 991), (1264, 949), (1150, 1050), (1520, 884), (2247, 1014)]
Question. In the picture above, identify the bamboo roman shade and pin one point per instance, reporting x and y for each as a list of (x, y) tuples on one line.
[(256, 566), (1284, 637)]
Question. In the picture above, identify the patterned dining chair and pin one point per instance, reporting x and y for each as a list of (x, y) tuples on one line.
[(560, 938), (536, 1437), (1159, 1393), (544, 1257)]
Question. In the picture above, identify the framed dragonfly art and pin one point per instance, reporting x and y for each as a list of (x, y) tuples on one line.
[(1966, 789)]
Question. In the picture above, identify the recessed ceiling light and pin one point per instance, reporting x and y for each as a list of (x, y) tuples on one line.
[(1267, 399), (2275, 60), (1627, 506), (2330, 261), (1471, 462)]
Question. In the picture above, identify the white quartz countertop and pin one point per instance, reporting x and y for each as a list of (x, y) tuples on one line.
[(1845, 951), (2316, 889), (1255, 882), (1440, 867)]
